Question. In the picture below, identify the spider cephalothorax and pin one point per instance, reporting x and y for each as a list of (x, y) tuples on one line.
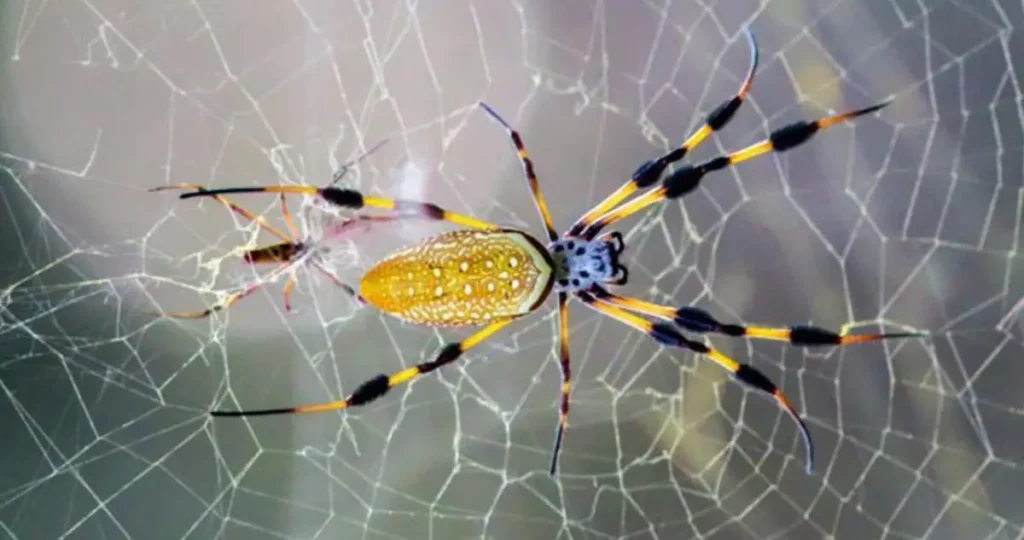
[(492, 275), (581, 263)]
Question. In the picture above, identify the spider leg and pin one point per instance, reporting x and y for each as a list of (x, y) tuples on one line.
[(381, 384), (354, 200), (341, 228), (337, 176), (531, 175), (699, 321), (563, 344), (287, 293), (667, 335), (650, 171), (262, 223), (341, 284), (685, 179), (226, 303), (290, 284), (288, 217)]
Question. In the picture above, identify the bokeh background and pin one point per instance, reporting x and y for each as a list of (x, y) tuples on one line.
[(911, 217)]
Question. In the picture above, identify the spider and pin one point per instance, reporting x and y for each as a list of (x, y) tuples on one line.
[(488, 275), (316, 248)]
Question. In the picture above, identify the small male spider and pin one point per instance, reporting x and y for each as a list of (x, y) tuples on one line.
[(488, 275), (316, 246)]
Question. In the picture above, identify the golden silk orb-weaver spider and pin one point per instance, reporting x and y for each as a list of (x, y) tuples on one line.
[(488, 275)]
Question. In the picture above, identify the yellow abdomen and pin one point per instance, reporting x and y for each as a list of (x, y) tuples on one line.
[(466, 277)]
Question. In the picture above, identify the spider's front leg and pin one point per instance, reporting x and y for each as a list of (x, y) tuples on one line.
[(651, 171), (699, 321), (687, 178)]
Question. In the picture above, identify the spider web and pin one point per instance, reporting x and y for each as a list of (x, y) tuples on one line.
[(908, 218)]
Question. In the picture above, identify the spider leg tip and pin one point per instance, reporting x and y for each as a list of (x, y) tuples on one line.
[(879, 106), (494, 114), (749, 34)]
